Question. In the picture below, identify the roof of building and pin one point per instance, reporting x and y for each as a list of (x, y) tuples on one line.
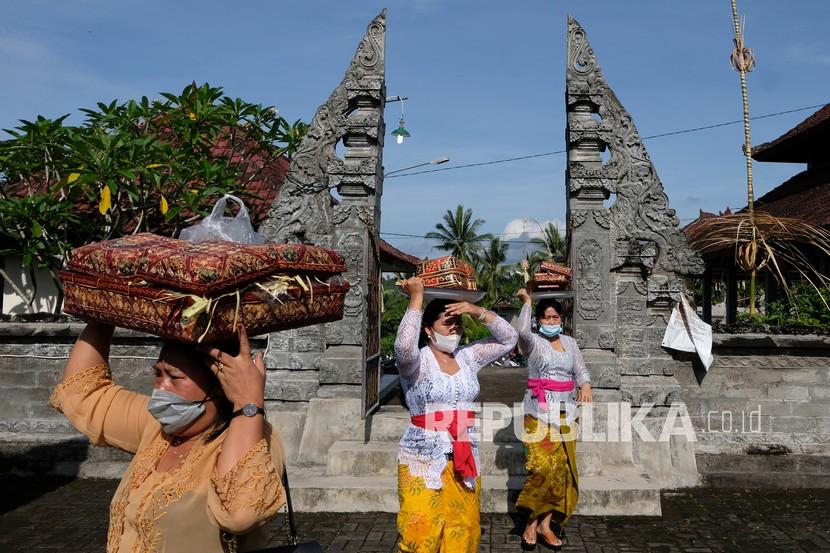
[(389, 250), (702, 217), (805, 196), (804, 143), (263, 173)]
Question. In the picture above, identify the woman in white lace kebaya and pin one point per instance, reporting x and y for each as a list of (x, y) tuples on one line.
[(438, 477), (557, 379)]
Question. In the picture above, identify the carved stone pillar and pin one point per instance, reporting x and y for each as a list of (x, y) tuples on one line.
[(342, 354), (628, 259), (589, 184)]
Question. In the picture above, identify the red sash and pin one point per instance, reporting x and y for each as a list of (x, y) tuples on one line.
[(455, 423)]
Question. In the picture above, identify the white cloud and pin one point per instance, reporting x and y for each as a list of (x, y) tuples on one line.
[(527, 228)]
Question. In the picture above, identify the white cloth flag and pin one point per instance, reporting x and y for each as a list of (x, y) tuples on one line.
[(687, 332)]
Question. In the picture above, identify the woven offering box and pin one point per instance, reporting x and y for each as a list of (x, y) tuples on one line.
[(550, 277), (199, 292), (446, 272), (553, 268), (443, 264)]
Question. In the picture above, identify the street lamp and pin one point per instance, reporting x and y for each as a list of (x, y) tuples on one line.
[(400, 133), (439, 161)]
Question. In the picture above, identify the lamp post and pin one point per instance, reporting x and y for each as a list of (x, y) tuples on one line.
[(439, 161)]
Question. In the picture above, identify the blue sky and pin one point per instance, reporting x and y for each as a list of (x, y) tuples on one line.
[(485, 81)]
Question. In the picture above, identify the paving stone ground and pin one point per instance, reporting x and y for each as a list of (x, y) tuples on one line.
[(49, 514)]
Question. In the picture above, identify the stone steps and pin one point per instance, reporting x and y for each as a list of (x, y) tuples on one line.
[(390, 422), (60, 454), (625, 493), (355, 458)]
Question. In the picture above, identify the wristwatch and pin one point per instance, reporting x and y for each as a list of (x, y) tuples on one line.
[(249, 410)]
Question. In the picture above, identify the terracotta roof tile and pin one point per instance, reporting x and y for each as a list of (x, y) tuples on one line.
[(790, 146), (805, 196), (390, 250)]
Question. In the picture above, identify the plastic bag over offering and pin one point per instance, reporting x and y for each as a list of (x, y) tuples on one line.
[(218, 227)]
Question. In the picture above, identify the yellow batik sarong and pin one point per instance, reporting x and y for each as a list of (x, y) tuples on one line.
[(438, 521), (552, 484)]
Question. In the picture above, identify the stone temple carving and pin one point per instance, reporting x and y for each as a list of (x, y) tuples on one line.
[(630, 258), (345, 352), (303, 211)]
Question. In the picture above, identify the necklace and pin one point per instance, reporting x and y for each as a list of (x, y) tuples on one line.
[(176, 442)]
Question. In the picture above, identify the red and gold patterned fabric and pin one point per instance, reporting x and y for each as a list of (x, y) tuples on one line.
[(196, 292), (164, 312), (446, 272), (441, 264), (203, 268)]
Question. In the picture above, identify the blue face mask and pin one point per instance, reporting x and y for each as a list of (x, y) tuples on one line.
[(174, 412), (549, 331)]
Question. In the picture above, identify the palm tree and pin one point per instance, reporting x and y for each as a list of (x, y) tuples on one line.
[(458, 234), (551, 244), (492, 272), (534, 259)]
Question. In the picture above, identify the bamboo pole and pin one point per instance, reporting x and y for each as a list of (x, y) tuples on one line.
[(743, 61)]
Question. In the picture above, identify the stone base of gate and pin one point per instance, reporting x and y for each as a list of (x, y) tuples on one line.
[(345, 464)]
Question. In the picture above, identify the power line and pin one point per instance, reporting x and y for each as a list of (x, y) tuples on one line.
[(661, 135), (402, 235), (478, 164), (500, 235)]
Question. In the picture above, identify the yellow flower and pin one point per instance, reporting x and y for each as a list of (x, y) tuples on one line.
[(72, 177), (106, 200), (192, 116), (163, 205)]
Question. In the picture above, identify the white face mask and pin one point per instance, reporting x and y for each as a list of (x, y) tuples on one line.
[(448, 343)]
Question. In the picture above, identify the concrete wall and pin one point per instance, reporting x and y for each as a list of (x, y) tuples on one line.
[(774, 389), (33, 436), (36, 438), (46, 293), (762, 412)]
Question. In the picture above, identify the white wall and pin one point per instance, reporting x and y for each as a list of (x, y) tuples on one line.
[(47, 293)]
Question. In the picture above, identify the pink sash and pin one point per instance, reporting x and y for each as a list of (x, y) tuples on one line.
[(538, 387)]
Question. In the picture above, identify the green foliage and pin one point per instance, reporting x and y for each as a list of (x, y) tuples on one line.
[(551, 244), (147, 165), (473, 330), (492, 273), (394, 307), (805, 307), (804, 312)]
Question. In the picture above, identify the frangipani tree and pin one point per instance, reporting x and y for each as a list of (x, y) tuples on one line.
[(140, 165)]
